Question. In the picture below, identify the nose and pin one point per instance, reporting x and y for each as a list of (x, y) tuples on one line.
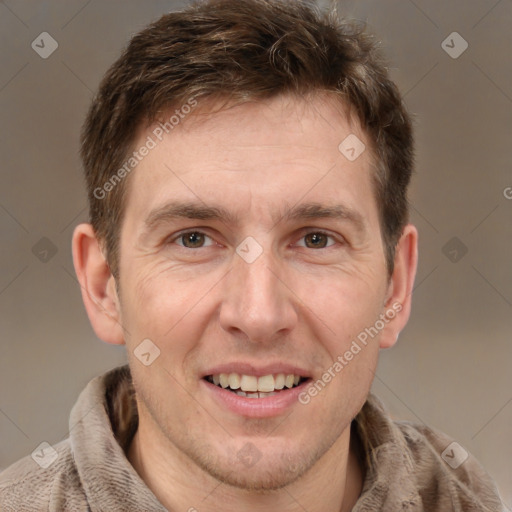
[(258, 305)]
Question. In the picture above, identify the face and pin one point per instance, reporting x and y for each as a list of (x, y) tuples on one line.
[(251, 250)]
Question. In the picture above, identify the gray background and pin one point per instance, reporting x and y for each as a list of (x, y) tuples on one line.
[(451, 367)]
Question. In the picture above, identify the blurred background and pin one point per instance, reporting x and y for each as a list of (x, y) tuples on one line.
[(451, 368)]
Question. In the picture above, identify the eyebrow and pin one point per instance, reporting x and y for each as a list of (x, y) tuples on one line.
[(318, 211), (200, 211), (188, 210)]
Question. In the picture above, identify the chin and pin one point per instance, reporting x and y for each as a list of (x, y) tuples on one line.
[(267, 471), (257, 480)]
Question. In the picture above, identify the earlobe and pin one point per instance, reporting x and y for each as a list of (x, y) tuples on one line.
[(401, 285), (97, 285)]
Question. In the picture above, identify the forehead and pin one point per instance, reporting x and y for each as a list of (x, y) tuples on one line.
[(260, 157)]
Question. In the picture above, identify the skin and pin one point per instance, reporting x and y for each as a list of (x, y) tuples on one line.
[(299, 302)]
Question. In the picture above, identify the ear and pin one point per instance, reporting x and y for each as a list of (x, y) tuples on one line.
[(98, 285), (399, 296)]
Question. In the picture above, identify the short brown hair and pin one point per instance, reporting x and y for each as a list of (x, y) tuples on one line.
[(244, 50)]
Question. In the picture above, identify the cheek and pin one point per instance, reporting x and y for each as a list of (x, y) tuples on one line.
[(161, 301), (347, 315), (153, 305), (345, 375), (345, 296)]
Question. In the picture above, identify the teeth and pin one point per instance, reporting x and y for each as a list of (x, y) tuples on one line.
[(266, 383), (249, 383), (280, 378), (223, 379), (255, 387), (234, 380)]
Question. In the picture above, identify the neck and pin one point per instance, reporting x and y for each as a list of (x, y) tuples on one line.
[(179, 484)]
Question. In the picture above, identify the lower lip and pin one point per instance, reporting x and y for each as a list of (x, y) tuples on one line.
[(255, 407)]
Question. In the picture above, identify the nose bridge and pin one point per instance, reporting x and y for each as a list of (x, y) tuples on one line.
[(258, 284), (256, 302)]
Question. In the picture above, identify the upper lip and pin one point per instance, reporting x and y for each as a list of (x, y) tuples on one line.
[(256, 370)]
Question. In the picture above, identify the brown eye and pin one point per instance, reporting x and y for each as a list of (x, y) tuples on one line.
[(192, 239), (316, 240)]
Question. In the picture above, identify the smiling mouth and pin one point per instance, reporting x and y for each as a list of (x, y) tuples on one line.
[(250, 386)]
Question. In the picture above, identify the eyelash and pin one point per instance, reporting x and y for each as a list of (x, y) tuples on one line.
[(197, 231)]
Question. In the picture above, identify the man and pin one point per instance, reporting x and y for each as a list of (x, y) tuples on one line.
[(247, 165)]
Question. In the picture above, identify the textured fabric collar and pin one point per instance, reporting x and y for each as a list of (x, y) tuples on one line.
[(387, 461), (101, 424)]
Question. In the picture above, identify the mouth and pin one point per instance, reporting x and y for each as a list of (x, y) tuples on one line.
[(251, 386), (255, 391)]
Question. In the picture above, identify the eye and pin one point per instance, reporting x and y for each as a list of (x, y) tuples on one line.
[(197, 240), (317, 240), (192, 239)]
